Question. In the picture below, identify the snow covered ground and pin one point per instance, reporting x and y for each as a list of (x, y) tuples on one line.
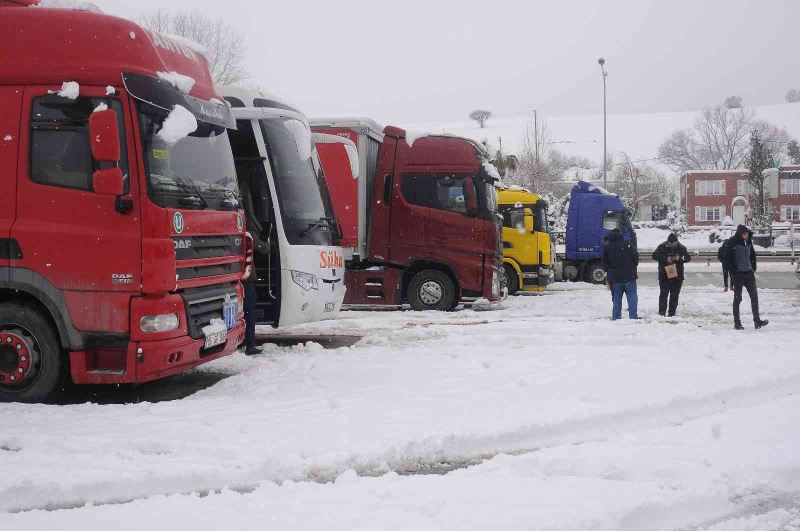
[(541, 415)]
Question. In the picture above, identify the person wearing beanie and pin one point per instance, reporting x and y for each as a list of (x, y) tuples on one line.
[(739, 258), (670, 255)]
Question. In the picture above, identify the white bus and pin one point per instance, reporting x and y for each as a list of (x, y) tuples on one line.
[(299, 264)]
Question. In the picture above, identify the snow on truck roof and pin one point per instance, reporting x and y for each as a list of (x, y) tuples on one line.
[(349, 122), (246, 97), (71, 43)]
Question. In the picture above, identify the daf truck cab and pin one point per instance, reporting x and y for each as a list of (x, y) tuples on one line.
[(299, 263), (122, 244), (428, 232), (528, 256), (593, 213)]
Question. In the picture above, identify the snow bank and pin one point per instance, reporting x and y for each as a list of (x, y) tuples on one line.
[(75, 5), (179, 124), (69, 89), (179, 81)]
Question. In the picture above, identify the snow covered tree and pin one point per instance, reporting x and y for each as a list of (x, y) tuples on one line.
[(480, 116), (758, 160), (793, 150), (223, 42), (733, 102), (793, 96)]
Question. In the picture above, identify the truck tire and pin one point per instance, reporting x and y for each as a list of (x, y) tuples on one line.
[(431, 290), (594, 273), (511, 279), (31, 363)]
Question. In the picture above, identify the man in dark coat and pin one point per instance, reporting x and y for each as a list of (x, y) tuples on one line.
[(739, 258), (668, 253), (620, 259)]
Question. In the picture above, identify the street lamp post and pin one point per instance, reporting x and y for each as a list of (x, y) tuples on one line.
[(602, 62)]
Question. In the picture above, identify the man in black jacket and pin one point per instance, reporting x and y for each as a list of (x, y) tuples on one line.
[(670, 253), (739, 258), (620, 259)]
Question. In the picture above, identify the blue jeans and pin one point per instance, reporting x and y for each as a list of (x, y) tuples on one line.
[(629, 289), (250, 297)]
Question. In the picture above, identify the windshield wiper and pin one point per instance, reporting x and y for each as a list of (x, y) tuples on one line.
[(329, 223), (198, 197)]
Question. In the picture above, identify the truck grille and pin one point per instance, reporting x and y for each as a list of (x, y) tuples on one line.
[(185, 273), (193, 247), (203, 304)]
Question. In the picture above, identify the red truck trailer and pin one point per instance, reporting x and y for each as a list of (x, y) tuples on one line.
[(428, 230), (122, 241)]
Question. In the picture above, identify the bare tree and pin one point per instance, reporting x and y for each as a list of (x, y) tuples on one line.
[(719, 140), (793, 96), (224, 43), (640, 184), (480, 116), (774, 138)]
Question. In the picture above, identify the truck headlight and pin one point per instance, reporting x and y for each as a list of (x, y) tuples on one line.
[(159, 323), (307, 281)]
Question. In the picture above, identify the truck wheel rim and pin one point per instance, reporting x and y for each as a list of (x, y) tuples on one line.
[(431, 293), (598, 275), (19, 359)]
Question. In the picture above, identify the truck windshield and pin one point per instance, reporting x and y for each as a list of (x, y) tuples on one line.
[(302, 196), (197, 171)]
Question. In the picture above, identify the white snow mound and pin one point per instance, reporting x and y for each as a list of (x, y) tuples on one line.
[(74, 5), (413, 135), (189, 43), (69, 89), (179, 81), (179, 124)]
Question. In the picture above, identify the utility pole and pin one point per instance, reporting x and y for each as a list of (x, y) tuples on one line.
[(602, 62), (536, 148)]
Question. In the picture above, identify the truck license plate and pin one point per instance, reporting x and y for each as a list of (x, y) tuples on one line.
[(216, 338), (330, 306)]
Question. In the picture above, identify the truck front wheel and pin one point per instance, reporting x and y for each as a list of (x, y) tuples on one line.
[(595, 274), (431, 290), (511, 279), (31, 365)]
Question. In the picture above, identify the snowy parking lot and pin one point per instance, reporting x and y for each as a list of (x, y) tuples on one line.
[(543, 414)]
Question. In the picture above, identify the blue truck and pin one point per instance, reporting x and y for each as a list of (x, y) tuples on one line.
[(593, 213)]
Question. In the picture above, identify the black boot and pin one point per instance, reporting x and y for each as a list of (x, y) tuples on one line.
[(760, 323), (738, 326)]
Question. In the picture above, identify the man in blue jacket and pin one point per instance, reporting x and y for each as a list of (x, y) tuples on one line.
[(620, 260), (739, 258)]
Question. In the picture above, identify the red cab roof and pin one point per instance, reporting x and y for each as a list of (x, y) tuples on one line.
[(49, 46)]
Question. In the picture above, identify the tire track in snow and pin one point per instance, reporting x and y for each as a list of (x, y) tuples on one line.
[(425, 456)]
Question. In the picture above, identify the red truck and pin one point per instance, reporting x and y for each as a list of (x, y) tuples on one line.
[(122, 241), (428, 233)]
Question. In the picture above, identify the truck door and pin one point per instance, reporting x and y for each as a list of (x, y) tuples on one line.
[(10, 102), (80, 241), (410, 210), (456, 238)]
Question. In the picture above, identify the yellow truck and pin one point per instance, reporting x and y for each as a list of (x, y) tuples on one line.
[(528, 253)]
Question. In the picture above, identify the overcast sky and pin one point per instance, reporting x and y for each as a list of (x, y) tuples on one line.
[(435, 60)]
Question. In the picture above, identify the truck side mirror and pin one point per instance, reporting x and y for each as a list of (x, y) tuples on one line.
[(528, 219), (104, 136), (108, 181), (470, 197)]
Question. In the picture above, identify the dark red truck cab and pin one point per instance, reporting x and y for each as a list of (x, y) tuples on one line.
[(121, 253), (428, 231)]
